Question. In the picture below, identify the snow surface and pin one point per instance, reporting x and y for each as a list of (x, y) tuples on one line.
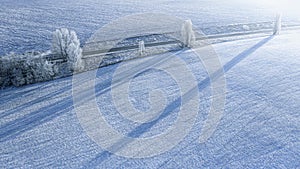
[(28, 25), (260, 127)]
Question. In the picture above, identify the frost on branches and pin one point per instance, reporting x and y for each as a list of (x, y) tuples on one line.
[(66, 45), (24, 69), (141, 48), (277, 25)]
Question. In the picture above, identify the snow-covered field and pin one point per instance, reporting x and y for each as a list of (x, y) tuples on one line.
[(44, 125), (26, 26), (260, 127)]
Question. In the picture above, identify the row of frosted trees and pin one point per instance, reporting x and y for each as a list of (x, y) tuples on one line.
[(35, 67)]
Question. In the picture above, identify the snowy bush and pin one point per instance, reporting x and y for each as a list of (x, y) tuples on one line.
[(12, 70), (187, 34), (40, 70), (17, 77), (66, 45), (4, 72), (19, 70)]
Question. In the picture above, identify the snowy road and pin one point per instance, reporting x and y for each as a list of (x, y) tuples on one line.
[(260, 126)]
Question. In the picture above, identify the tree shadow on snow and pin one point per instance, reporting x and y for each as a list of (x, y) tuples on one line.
[(14, 128), (138, 131)]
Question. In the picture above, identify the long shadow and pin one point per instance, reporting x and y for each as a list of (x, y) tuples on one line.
[(152, 61), (35, 101), (39, 99), (138, 131), (11, 93), (14, 128), (27, 122), (155, 61), (8, 97)]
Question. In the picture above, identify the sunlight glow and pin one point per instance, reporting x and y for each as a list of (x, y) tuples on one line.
[(280, 5)]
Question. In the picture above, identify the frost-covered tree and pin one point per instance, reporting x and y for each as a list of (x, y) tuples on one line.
[(41, 70), (187, 34), (4, 72), (24, 69), (61, 38), (66, 44), (277, 25), (74, 57), (141, 47), (17, 69), (17, 77)]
